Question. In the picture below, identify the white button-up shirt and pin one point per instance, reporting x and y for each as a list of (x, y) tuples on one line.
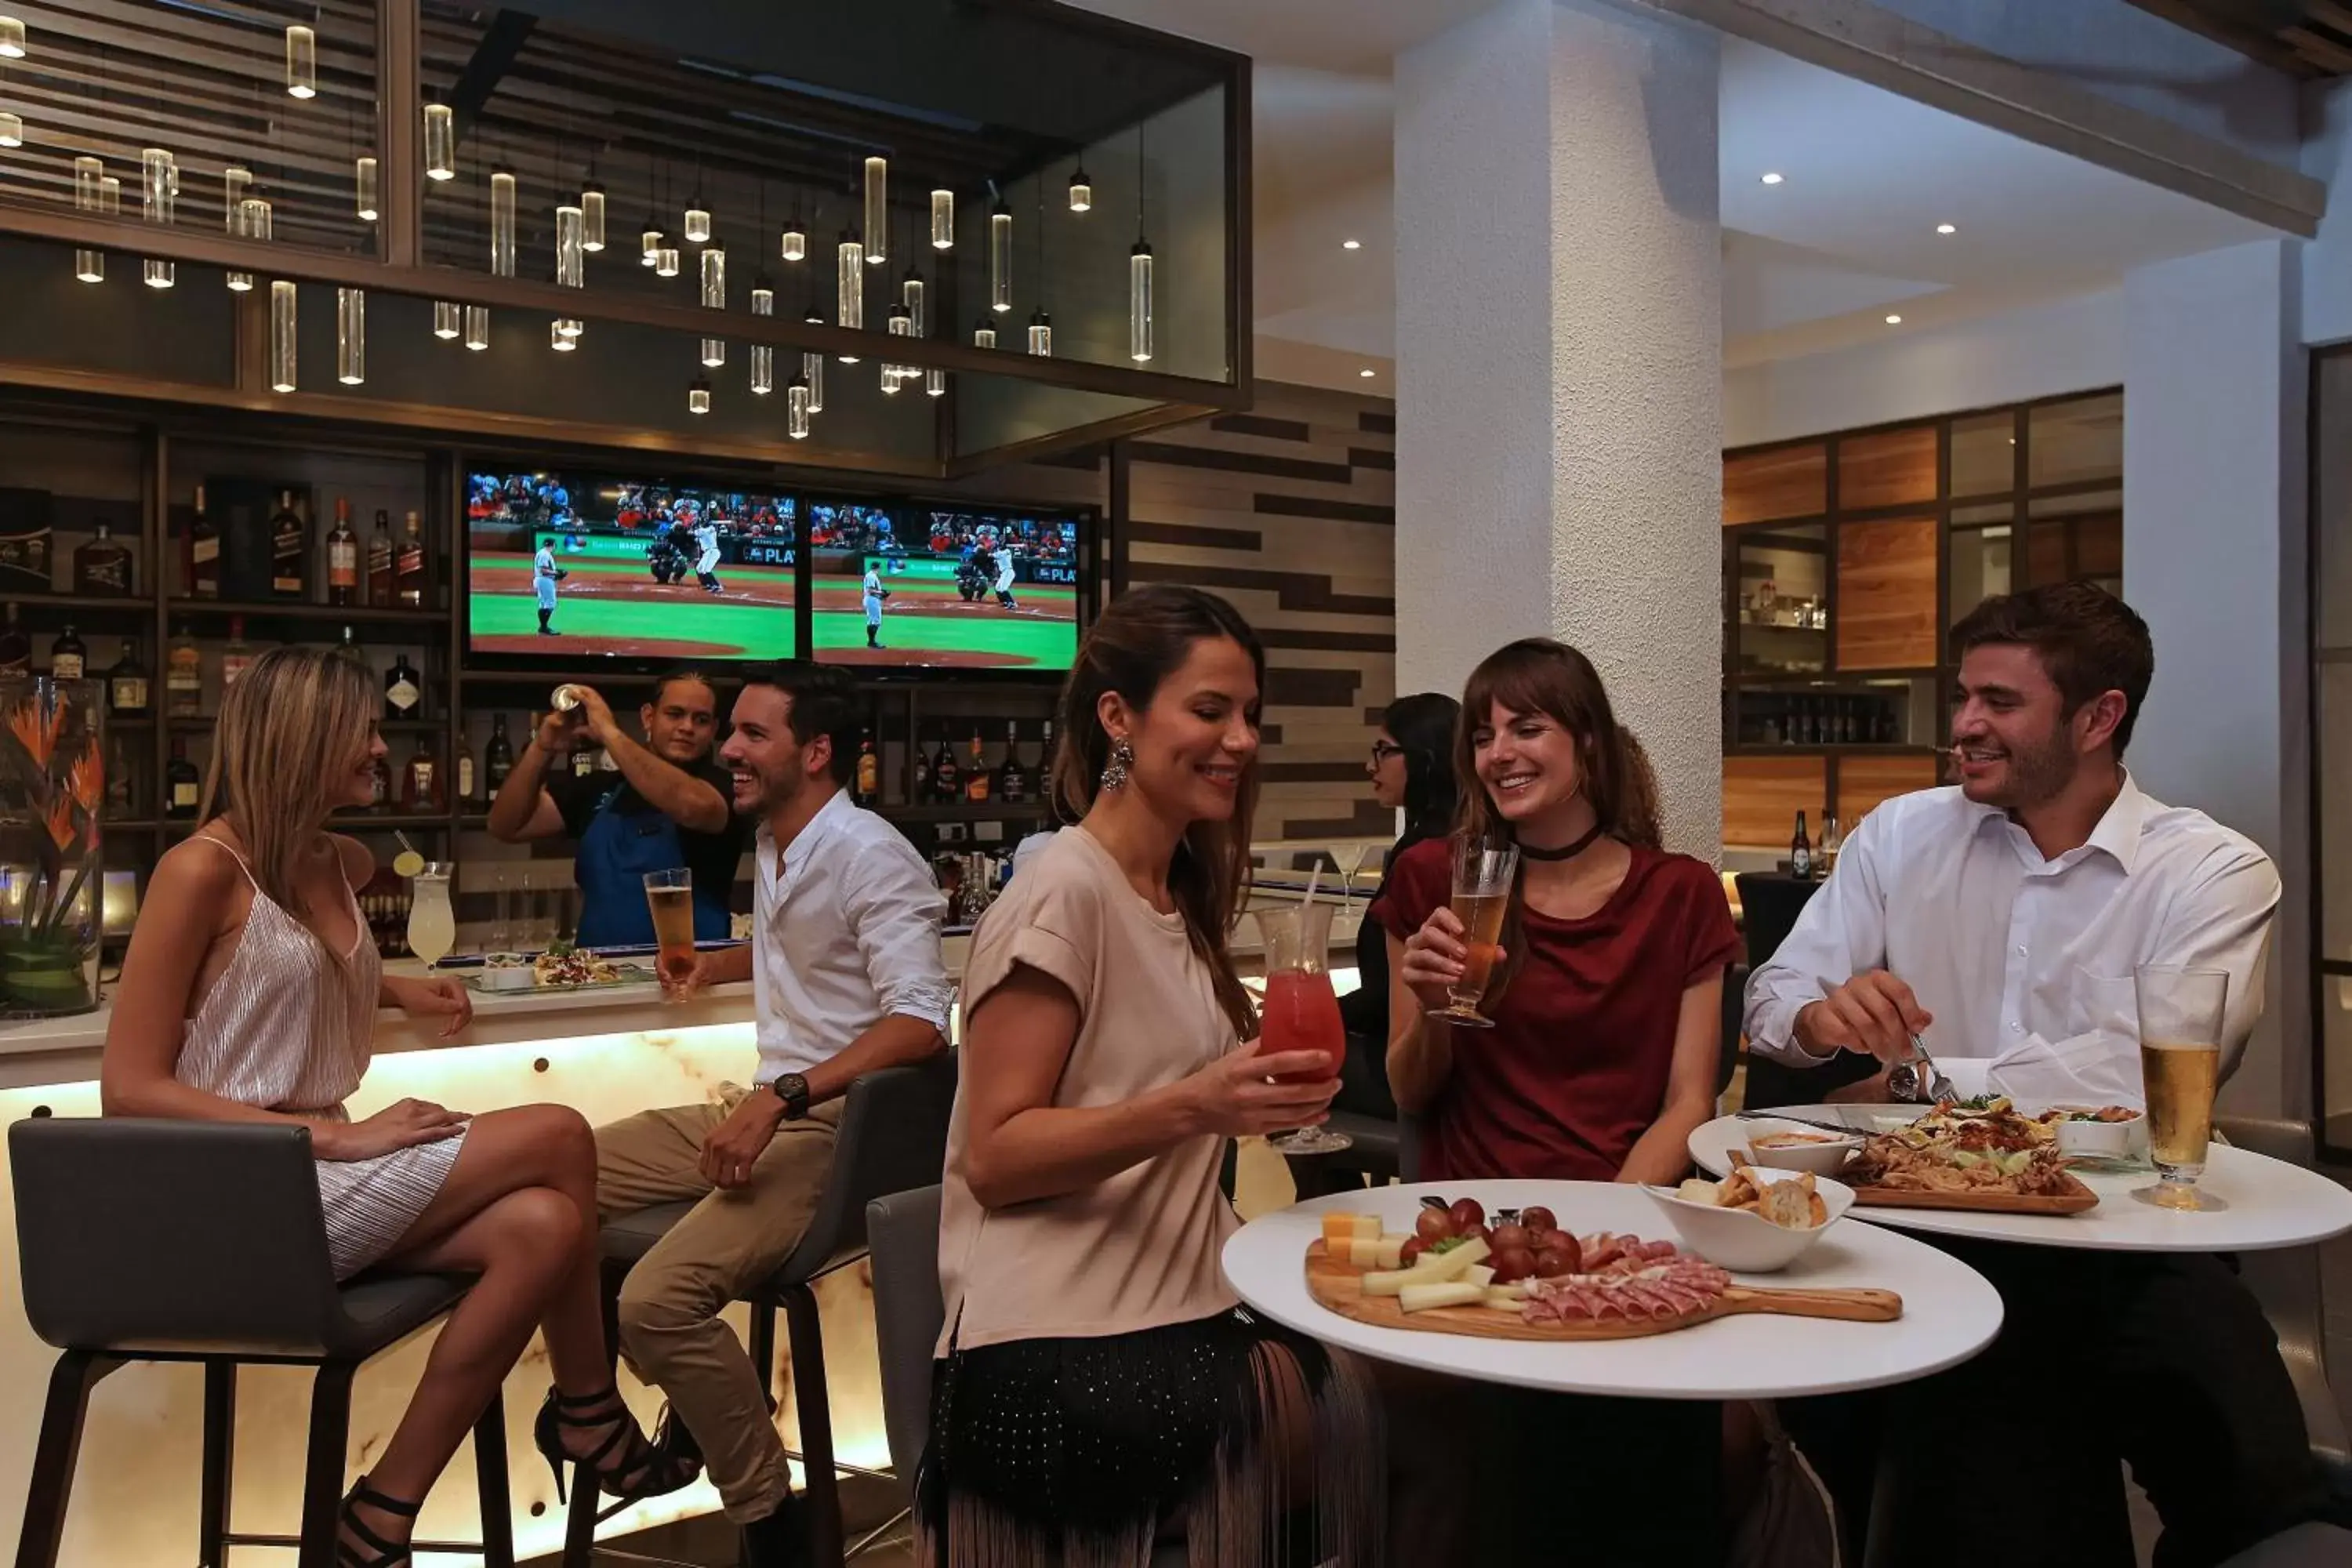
[(2026, 964), (846, 933)]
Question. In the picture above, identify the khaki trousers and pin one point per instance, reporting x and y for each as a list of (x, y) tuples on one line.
[(671, 1335)]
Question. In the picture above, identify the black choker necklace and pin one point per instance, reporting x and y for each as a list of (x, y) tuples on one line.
[(1529, 852)]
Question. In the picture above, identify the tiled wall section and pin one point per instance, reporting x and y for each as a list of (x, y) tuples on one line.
[(1289, 512)]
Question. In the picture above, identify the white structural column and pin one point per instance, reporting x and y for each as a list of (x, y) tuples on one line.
[(2215, 558), (1559, 366)]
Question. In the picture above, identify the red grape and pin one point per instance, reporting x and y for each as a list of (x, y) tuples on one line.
[(1434, 1226), (1510, 1234), (1554, 1261), (1410, 1251), (1539, 1219), (1468, 1211), (1513, 1263), (1565, 1244)]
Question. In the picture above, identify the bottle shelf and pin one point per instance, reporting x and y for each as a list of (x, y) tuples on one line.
[(966, 811), (82, 606), (304, 610)]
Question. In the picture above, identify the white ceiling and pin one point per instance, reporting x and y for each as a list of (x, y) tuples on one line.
[(1814, 263)]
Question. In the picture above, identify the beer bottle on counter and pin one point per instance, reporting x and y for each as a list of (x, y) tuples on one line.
[(1800, 852), (183, 676), (379, 561), (236, 657), (869, 770), (342, 557), (408, 567), (16, 648), (1012, 778), (947, 777), (404, 694), (289, 549), (180, 780), (498, 757), (977, 783), (69, 656), (102, 567), (126, 683), (202, 563)]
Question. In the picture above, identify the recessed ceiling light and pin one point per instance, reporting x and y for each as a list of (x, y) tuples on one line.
[(1351, 245), (1894, 321), (1368, 374), (1946, 229), (1770, 179)]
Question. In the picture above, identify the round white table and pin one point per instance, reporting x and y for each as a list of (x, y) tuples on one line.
[(2272, 1203), (1949, 1312)]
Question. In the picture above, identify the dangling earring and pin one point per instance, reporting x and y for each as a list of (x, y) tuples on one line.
[(1122, 757)]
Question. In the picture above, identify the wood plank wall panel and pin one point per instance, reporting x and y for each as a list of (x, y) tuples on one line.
[(1785, 481), (1761, 797), (1887, 595), (1289, 512), (1893, 467), (1863, 782)]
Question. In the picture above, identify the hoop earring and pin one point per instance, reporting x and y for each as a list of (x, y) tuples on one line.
[(1122, 758)]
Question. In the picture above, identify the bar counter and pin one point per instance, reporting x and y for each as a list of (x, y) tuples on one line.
[(606, 1053)]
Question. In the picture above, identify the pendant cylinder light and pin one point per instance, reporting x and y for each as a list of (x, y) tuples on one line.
[(440, 142), (1041, 334), (571, 248), (351, 336), (591, 217), (714, 297), (666, 262), (1000, 258), (447, 318), (364, 200), (1081, 191), (878, 210), (12, 38), (812, 364), (943, 219), (984, 336), (849, 277), (12, 129), (763, 355), (301, 62), (569, 327), (236, 181), (698, 225), (253, 217), (502, 223), (282, 334), (160, 188), (649, 242), (478, 327), (797, 407), (901, 326), (792, 244), (90, 183), (697, 395), (1139, 303), (563, 334)]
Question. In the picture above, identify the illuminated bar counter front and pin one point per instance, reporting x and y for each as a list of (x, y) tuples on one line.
[(607, 1054)]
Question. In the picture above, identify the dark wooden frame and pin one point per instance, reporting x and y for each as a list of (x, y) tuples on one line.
[(2325, 971)]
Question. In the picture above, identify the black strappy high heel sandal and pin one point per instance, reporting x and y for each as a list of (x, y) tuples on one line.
[(627, 1467), (386, 1553)]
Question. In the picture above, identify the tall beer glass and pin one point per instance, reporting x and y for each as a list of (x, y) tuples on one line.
[(670, 894), (2180, 1013), (1484, 874)]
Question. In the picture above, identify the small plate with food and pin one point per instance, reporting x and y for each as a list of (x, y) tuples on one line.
[(1794, 1146), (557, 968), (1755, 1221)]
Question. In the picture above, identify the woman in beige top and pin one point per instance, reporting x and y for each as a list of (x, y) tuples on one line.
[(1099, 1382), (249, 994)]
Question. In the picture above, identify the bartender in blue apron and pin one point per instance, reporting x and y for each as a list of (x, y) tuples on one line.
[(663, 804)]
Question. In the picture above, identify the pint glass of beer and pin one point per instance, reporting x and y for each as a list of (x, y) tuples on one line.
[(671, 895), (2180, 1013), (1483, 878)]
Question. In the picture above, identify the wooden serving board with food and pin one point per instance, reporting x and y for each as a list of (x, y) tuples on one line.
[(1598, 1287), (2071, 1197), (1986, 1158)]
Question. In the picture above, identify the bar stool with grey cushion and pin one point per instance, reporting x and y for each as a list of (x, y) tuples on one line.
[(903, 1229), (203, 1241), (893, 1135)]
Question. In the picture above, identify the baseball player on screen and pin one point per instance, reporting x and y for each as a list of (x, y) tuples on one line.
[(874, 593), (544, 575), (1004, 577), (706, 560)]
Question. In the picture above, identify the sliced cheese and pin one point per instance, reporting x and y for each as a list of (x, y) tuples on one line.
[(1367, 1227), (1507, 1296), (1444, 1266), (1478, 1274), (1363, 1253), (1392, 1252), (1422, 1298), (1339, 1229)]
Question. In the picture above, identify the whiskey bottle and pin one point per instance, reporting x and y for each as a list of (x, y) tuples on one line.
[(201, 565), (69, 656), (180, 781), (947, 776), (342, 557), (236, 657), (379, 561), (102, 567), (16, 648), (919, 794), (977, 783), (462, 770), (404, 694), (421, 780), (408, 567), (498, 757), (121, 790), (289, 549), (1012, 778), (869, 771), (383, 792), (183, 677), (126, 683)]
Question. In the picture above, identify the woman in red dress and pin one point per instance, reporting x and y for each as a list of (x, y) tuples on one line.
[(1607, 1002)]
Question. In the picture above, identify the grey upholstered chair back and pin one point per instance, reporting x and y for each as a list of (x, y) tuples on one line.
[(2287, 1283), (902, 1235), (166, 1236), (894, 1136)]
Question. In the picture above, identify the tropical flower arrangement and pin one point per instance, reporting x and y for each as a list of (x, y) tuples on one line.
[(52, 783)]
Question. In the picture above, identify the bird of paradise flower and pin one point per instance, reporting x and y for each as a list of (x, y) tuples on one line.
[(67, 808)]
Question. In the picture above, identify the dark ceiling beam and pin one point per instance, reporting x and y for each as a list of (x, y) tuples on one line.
[(502, 40)]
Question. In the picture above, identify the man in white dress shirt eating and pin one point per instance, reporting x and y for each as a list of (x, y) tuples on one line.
[(2000, 921), (847, 977)]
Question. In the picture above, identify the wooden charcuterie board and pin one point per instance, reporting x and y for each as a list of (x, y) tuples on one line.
[(2074, 1199), (1339, 1287)]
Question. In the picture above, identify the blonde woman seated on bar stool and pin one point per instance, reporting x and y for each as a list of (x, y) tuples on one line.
[(249, 994)]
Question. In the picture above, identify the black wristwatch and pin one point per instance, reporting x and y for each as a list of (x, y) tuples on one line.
[(793, 1090)]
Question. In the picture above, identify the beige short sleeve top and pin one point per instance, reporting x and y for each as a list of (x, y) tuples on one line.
[(1139, 1249)]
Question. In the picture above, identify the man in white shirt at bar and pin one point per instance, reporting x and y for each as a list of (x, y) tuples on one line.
[(2000, 921), (847, 978)]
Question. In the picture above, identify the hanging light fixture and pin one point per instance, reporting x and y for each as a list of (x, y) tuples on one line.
[(650, 243), (502, 223), (255, 216), (570, 247), (563, 334), (1041, 334), (763, 355), (1000, 258), (12, 38), (812, 364), (446, 315), (697, 395), (797, 407), (984, 336), (878, 210), (90, 177), (161, 189), (714, 297), (282, 334), (901, 326), (301, 61), (591, 215), (478, 327), (915, 295), (363, 189), (666, 262), (1081, 191), (792, 244), (351, 336), (440, 142), (849, 277), (1139, 272), (698, 218), (942, 219)]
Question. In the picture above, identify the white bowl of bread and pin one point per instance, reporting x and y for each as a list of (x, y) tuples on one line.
[(1755, 1220)]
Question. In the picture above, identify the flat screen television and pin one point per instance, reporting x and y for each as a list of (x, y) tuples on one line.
[(944, 588), (566, 565)]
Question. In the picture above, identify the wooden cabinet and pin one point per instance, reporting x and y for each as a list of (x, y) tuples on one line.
[(1863, 782), (1888, 468), (1886, 604), (1761, 797), (1775, 482)]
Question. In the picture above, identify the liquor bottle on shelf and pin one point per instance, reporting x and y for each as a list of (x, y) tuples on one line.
[(121, 790), (347, 643), (462, 770), (200, 563), (382, 783), (498, 757), (977, 783), (289, 549), (869, 771), (1800, 852), (420, 789), (1012, 778), (16, 648), (379, 561), (946, 774), (408, 566), (920, 792), (183, 677), (1042, 775), (126, 683), (236, 657), (69, 656), (342, 557), (404, 693), (102, 567), (181, 781)]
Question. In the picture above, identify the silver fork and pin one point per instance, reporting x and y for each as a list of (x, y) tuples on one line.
[(1903, 1081)]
